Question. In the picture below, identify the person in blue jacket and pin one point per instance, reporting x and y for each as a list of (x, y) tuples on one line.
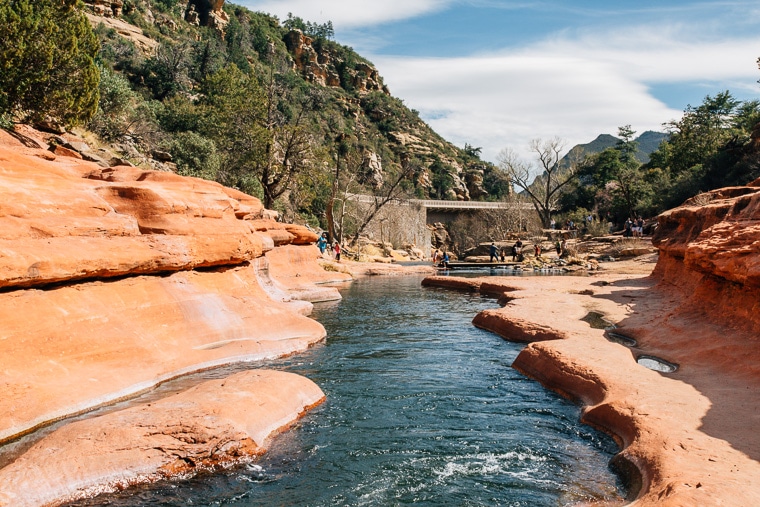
[(322, 243)]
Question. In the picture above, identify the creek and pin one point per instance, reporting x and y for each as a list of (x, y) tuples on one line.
[(422, 408)]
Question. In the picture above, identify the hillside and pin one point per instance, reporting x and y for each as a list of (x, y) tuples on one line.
[(316, 119)]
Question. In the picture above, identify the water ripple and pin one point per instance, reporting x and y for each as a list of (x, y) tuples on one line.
[(422, 408)]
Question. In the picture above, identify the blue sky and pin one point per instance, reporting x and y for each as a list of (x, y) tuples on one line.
[(498, 73)]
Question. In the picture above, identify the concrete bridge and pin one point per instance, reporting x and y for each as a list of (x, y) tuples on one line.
[(403, 221)]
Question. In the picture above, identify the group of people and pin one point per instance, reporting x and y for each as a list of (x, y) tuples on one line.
[(633, 227), (441, 258), (323, 243)]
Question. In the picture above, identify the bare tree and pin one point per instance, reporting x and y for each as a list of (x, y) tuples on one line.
[(542, 180), (346, 156), (288, 146), (390, 191)]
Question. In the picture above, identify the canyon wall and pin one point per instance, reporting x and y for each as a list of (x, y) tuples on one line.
[(710, 248)]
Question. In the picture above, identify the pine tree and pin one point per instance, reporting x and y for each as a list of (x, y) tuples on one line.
[(47, 61)]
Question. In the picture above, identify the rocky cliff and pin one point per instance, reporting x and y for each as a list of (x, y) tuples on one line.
[(319, 64), (711, 244), (113, 280)]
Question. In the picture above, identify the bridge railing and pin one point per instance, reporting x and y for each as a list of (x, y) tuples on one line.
[(464, 204), (440, 204)]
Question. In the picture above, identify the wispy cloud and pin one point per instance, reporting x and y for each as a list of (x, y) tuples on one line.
[(574, 88), (599, 69), (348, 14)]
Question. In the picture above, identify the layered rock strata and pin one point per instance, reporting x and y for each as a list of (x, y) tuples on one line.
[(687, 437), (113, 280)]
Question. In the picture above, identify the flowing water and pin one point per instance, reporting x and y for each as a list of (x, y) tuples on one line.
[(422, 408)]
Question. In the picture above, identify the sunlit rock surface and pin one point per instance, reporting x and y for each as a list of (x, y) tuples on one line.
[(216, 423), (114, 280)]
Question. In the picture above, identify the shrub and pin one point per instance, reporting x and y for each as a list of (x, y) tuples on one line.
[(195, 155), (111, 122)]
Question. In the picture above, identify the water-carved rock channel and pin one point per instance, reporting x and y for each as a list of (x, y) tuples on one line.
[(422, 408)]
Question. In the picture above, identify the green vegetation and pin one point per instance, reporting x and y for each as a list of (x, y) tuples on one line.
[(708, 148), (240, 106), (47, 62), (237, 106)]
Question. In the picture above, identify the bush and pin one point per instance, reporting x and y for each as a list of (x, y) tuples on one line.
[(195, 155), (111, 122)]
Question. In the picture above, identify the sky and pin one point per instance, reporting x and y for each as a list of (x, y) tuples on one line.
[(496, 74)]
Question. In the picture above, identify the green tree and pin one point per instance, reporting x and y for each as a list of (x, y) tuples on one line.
[(709, 147), (231, 113), (47, 61), (701, 131), (441, 179), (612, 182)]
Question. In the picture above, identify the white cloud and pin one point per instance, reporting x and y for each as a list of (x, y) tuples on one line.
[(571, 88), (347, 14)]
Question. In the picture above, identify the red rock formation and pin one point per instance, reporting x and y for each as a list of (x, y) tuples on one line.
[(215, 423), (711, 245), (104, 297)]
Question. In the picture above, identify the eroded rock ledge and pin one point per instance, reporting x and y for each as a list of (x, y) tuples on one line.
[(114, 280), (217, 423), (687, 437)]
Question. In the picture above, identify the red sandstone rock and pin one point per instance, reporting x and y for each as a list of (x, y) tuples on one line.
[(62, 151), (215, 423), (295, 273), (720, 238), (301, 235), (450, 282), (71, 349), (88, 342), (69, 220), (688, 438)]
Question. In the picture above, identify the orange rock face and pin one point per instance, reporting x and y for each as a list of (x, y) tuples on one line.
[(103, 298), (69, 220), (687, 437), (215, 423)]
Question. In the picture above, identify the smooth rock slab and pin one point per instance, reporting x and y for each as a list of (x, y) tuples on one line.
[(67, 350), (215, 423)]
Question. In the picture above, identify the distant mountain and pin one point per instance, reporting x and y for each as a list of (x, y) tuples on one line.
[(648, 142)]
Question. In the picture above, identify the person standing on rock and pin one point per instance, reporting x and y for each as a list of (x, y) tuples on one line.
[(322, 243), (436, 256), (336, 248), (494, 252)]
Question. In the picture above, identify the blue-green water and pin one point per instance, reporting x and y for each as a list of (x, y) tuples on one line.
[(422, 408)]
